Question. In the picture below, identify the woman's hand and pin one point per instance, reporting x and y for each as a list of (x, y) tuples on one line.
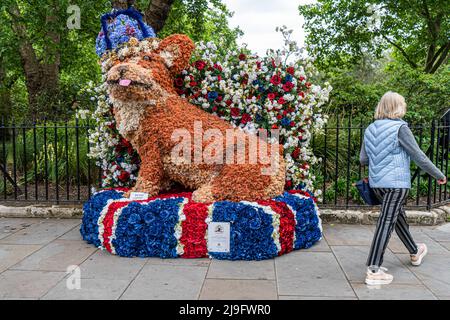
[(442, 181)]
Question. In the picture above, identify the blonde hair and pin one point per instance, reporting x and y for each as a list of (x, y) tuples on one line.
[(391, 106)]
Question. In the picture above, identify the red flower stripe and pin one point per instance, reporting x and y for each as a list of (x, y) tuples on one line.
[(194, 230), (108, 222), (287, 224)]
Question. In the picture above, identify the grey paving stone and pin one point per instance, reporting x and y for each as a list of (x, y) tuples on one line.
[(311, 274), (444, 298), (103, 265), (166, 282), (42, 232), (320, 246), (10, 254), (315, 298), (27, 284), (348, 235), (8, 226), (258, 270), (353, 262), (91, 289), (438, 235), (397, 246), (220, 289), (203, 262), (73, 234), (434, 272), (445, 244), (56, 256), (445, 228), (393, 292)]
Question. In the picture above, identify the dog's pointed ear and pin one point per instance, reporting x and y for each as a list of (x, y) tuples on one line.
[(176, 51)]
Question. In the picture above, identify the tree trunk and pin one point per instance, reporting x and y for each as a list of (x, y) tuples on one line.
[(41, 77), (157, 12), (5, 93), (121, 4)]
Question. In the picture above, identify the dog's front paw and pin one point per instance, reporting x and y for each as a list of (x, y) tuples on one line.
[(203, 195), (127, 194)]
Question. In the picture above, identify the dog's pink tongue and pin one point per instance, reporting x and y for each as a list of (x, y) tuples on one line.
[(124, 82)]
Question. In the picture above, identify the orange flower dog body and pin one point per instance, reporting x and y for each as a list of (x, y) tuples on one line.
[(161, 125)]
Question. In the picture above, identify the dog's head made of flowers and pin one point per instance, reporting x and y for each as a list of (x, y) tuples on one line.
[(142, 71)]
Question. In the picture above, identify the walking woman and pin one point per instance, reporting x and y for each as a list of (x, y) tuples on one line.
[(388, 147)]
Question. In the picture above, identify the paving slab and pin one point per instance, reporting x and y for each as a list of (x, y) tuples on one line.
[(73, 234), (311, 274), (353, 261), (434, 272), (42, 232), (257, 270), (319, 246), (10, 254), (393, 292), (168, 282), (105, 266), (315, 298), (27, 284), (201, 262), (348, 235), (220, 289), (8, 226), (396, 245), (438, 234), (56, 256), (91, 289), (445, 244)]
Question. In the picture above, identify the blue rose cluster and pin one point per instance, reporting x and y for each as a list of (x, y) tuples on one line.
[(307, 230), (120, 31), (147, 230), (251, 231), (91, 213)]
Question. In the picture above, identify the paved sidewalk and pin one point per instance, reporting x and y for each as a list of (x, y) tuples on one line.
[(35, 254)]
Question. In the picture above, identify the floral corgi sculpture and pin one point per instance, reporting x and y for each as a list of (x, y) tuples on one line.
[(155, 119)]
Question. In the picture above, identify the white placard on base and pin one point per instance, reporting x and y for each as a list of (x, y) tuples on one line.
[(219, 237), (138, 196)]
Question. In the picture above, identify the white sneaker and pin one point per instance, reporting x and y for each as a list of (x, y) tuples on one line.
[(379, 277), (422, 250)]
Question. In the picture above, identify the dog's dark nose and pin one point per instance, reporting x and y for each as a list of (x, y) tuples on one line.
[(121, 70)]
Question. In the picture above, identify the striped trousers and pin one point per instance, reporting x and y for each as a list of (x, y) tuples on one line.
[(392, 216)]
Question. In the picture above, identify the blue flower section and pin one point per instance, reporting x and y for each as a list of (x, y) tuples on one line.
[(307, 231), (286, 122), (120, 31), (212, 95), (251, 231), (147, 230), (91, 210)]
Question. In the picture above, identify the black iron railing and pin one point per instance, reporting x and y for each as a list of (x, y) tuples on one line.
[(339, 147), (47, 162)]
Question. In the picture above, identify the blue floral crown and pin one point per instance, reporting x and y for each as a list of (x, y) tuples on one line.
[(126, 24)]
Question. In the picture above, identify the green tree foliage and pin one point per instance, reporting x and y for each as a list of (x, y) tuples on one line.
[(43, 63), (365, 48), (342, 31)]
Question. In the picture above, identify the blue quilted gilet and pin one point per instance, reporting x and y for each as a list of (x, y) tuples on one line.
[(388, 161)]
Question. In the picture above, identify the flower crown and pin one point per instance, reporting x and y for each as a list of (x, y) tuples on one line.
[(119, 27), (128, 49)]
